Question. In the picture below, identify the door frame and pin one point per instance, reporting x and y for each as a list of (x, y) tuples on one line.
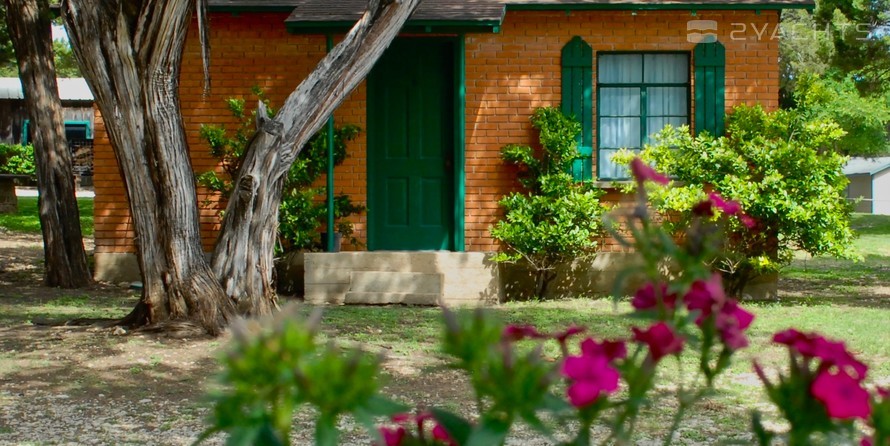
[(459, 138)]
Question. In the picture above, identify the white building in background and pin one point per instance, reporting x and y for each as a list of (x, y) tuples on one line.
[(870, 183)]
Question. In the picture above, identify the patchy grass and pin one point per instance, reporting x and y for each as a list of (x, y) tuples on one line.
[(27, 221)]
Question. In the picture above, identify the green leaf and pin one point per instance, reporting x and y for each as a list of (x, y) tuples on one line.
[(384, 407), (243, 436), (489, 433), (326, 433)]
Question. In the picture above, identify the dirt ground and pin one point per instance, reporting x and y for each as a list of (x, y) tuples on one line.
[(94, 385)]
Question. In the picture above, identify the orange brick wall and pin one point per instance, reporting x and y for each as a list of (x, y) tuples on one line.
[(508, 75)]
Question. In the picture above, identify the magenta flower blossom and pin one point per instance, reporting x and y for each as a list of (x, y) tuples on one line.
[(520, 332), (591, 374), (704, 296), (813, 345), (842, 395), (643, 172), (732, 321), (572, 330), (730, 207), (392, 436), (661, 339), (440, 434), (648, 297)]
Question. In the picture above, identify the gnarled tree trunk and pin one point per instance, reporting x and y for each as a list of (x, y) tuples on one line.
[(29, 23), (130, 52), (243, 255)]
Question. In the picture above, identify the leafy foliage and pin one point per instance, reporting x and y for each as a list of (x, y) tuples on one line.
[(17, 159), (555, 220), (303, 208), (273, 368), (780, 168)]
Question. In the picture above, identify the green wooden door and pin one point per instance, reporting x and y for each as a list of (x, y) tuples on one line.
[(411, 147)]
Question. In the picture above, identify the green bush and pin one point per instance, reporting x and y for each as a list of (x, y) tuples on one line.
[(17, 159), (554, 220), (303, 207), (780, 168)]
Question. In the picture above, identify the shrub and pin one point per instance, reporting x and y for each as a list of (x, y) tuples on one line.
[(303, 207), (17, 159), (780, 168), (555, 219)]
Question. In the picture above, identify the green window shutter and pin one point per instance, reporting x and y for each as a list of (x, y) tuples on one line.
[(710, 87), (577, 100)]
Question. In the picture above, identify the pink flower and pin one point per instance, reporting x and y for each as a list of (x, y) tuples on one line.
[(884, 392), (520, 332), (748, 221), (611, 350), (866, 441), (591, 374), (841, 394), (813, 345), (729, 207), (643, 172), (661, 339), (393, 436), (648, 297), (732, 321), (704, 296), (703, 209), (572, 330), (440, 434)]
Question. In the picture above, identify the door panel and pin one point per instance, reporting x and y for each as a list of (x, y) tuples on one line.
[(411, 147)]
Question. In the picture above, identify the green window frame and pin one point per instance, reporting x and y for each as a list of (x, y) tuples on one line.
[(640, 99), (87, 125), (577, 101)]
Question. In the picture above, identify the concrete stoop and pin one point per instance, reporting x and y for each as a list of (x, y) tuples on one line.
[(401, 277)]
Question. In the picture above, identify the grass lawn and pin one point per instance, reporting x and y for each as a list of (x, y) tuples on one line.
[(27, 221)]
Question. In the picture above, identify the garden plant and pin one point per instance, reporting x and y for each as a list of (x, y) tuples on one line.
[(780, 167), (554, 220), (824, 397), (303, 207)]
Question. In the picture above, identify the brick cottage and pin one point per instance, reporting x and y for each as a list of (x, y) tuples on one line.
[(460, 83)]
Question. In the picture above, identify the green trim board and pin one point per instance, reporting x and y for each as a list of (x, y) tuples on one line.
[(653, 6), (460, 142), (412, 26), (577, 101), (643, 87), (412, 106), (710, 87)]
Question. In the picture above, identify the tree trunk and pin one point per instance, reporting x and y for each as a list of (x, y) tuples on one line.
[(65, 261), (251, 219), (131, 53)]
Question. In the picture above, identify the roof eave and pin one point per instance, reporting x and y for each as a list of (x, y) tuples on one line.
[(659, 7), (412, 26)]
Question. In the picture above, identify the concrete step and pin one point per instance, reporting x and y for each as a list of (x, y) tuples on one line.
[(395, 282), (383, 298)]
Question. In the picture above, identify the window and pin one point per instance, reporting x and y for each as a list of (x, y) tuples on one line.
[(75, 131), (637, 95)]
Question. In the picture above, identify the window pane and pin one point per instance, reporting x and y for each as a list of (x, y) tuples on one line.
[(619, 132), (619, 102), (657, 123), (667, 68), (609, 170), (621, 68), (667, 101)]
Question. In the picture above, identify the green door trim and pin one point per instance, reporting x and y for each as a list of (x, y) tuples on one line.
[(458, 239), (460, 139)]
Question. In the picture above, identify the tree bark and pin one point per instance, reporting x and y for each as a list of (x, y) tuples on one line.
[(243, 258), (30, 28), (131, 53)]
